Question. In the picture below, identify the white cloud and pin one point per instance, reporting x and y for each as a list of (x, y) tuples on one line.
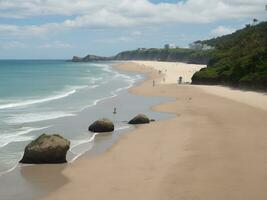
[(122, 13), (13, 45), (136, 33), (29, 30), (56, 45), (222, 30)]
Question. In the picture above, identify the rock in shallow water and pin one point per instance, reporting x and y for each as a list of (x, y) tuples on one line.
[(139, 119), (46, 149), (102, 125)]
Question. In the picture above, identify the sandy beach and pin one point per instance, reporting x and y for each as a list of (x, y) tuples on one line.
[(215, 147), (171, 71)]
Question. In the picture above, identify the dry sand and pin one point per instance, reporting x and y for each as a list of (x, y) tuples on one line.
[(172, 70), (176, 69), (215, 149)]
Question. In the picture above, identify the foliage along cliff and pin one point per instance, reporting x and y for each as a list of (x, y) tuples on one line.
[(177, 54), (239, 59)]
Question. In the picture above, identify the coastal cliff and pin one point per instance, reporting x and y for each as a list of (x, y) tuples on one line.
[(170, 55), (237, 60), (90, 58)]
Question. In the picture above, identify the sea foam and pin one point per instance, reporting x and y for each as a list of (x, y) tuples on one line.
[(36, 117), (29, 102), (18, 135)]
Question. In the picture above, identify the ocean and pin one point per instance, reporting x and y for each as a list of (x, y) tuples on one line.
[(55, 96)]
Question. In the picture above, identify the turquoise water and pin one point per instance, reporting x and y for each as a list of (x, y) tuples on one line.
[(55, 96), (36, 90)]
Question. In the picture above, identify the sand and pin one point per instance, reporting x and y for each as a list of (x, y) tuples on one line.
[(172, 70), (255, 99), (214, 149)]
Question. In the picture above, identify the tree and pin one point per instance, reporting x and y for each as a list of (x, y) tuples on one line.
[(255, 21)]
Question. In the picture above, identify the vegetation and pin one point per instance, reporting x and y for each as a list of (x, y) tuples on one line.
[(177, 54), (239, 59)]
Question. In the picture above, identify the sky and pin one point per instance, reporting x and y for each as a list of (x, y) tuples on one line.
[(60, 29)]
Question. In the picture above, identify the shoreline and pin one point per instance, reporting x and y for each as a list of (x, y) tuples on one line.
[(206, 152), (21, 173)]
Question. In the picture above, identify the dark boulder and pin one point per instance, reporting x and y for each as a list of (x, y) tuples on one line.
[(139, 119), (102, 125), (46, 149)]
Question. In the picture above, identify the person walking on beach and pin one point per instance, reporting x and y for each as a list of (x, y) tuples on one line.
[(115, 111), (154, 83), (180, 80)]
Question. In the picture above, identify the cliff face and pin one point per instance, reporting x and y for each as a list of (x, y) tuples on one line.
[(90, 58), (170, 55), (76, 59)]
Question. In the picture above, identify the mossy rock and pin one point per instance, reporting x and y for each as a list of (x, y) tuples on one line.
[(102, 125), (139, 119), (46, 149)]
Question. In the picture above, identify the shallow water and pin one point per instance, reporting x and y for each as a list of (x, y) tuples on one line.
[(61, 97), (79, 111)]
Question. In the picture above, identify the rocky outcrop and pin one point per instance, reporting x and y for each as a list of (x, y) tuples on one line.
[(46, 149), (139, 119), (90, 58), (76, 59), (102, 125)]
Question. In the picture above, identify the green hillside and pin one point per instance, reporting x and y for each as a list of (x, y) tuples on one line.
[(177, 54), (239, 59)]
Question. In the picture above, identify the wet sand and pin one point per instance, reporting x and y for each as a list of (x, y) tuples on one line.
[(214, 149), (36, 181)]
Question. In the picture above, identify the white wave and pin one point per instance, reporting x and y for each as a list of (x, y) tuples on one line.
[(36, 117), (77, 143), (8, 170), (92, 80), (95, 80), (119, 75), (104, 67), (18, 136), (99, 65), (37, 101), (122, 128), (114, 93), (127, 78), (10, 161), (93, 86), (95, 102)]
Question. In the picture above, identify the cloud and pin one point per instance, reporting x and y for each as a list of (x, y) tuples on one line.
[(56, 45), (222, 30), (29, 30), (106, 14), (13, 45)]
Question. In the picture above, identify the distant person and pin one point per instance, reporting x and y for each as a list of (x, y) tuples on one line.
[(164, 79), (154, 83), (115, 111), (180, 80)]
